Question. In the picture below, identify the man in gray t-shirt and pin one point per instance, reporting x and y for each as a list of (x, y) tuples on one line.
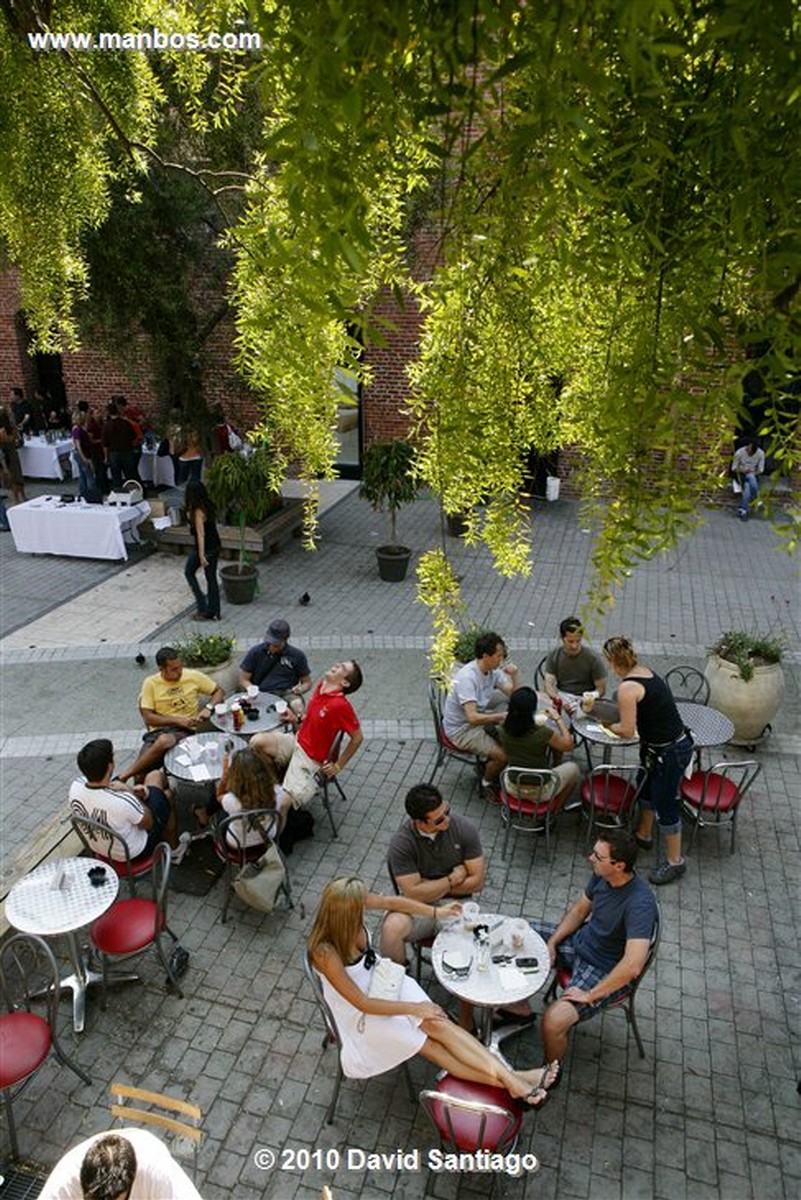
[(477, 700), (433, 857), (572, 667)]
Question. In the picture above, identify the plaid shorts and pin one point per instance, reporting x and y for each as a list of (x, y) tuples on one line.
[(583, 975)]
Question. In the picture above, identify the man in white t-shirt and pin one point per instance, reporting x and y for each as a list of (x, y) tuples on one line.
[(142, 815), (748, 464), (477, 701), (128, 1164)]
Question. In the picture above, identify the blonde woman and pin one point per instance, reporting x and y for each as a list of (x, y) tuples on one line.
[(380, 1034)]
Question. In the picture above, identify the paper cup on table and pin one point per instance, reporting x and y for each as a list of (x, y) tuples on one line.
[(470, 912), (280, 707), (220, 710), (519, 929), (252, 691), (587, 701)]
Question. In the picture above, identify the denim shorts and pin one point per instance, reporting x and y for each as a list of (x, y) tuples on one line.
[(583, 975)]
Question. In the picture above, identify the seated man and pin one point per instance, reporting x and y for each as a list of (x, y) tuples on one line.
[(603, 939), (328, 713), (571, 667), (170, 706), (748, 464), (141, 815), (128, 1163), (435, 855), (476, 702), (276, 666)]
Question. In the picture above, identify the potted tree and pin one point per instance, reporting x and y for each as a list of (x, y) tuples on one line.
[(388, 483), (746, 682), (242, 489)]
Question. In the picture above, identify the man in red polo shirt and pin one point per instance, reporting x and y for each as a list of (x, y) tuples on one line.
[(306, 754)]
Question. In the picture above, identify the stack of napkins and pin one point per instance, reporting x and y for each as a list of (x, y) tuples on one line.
[(511, 978)]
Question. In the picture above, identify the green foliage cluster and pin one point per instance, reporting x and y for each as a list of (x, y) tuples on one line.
[(205, 649), (243, 489), (747, 650), (387, 480)]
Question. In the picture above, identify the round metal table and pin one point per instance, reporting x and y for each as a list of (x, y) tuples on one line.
[(199, 758), (267, 720)]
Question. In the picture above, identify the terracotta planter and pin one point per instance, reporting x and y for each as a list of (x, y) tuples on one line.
[(752, 705)]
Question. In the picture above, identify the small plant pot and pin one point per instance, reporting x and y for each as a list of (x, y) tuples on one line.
[(456, 524), (239, 582), (393, 562)]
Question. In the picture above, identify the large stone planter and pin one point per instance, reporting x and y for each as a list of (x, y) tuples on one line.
[(225, 675), (752, 705)]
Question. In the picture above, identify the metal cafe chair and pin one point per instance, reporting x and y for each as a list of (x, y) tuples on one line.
[(714, 797), (231, 846), (100, 840), (445, 747)]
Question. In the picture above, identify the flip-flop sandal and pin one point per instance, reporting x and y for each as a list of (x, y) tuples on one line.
[(536, 1091), (551, 1087)]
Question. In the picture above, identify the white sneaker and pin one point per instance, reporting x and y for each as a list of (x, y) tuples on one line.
[(184, 842)]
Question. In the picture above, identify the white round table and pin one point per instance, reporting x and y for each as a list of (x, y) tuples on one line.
[(36, 904), (502, 983)]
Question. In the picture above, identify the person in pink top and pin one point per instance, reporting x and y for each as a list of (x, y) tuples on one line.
[(306, 753)]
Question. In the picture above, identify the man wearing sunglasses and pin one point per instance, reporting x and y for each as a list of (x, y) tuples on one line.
[(603, 939), (435, 856)]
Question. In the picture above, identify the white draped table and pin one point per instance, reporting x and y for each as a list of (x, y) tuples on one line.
[(46, 525), (40, 459)]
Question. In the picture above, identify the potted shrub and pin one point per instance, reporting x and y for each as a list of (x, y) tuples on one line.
[(746, 682), (211, 653), (242, 490), (388, 483), (465, 649)]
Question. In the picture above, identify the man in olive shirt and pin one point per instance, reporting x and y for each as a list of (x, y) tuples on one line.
[(572, 667), (433, 856)]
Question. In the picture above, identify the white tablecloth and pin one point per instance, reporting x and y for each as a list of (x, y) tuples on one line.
[(46, 526), (40, 459), (153, 469)]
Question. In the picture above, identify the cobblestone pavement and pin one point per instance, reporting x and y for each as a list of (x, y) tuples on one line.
[(711, 1111)]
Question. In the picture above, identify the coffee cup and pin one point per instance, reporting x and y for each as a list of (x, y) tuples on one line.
[(280, 707), (587, 701), (220, 710), (518, 931), (470, 914), (252, 691)]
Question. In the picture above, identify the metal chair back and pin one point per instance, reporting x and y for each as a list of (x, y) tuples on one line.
[(714, 797), (100, 839), (28, 972), (235, 828), (445, 747), (688, 683), (608, 796), (326, 783), (539, 674), (471, 1124), (528, 802)]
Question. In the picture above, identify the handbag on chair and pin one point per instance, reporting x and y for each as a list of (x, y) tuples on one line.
[(386, 980), (258, 883)]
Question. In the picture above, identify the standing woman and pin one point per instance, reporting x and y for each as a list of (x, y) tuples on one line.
[(378, 1035), (202, 522), (82, 445), (647, 707)]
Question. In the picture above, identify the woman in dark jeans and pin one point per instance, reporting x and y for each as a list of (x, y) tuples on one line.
[(202, 522), (647, 707)]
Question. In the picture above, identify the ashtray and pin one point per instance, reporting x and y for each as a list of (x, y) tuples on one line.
[(97, 876), (252, 714)]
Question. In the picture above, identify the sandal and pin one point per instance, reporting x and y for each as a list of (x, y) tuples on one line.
[(538, 1104), (556, 1067)]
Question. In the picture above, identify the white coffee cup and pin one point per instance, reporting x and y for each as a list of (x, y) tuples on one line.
[(220, 710), (252, 691), (280, 707), (470, 914)]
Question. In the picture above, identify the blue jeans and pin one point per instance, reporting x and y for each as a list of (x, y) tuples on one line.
[(208, 604), (4, 525), (750, 491), (122, 466), (86, 482), (664, 768)]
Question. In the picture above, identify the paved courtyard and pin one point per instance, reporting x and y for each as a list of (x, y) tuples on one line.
[(711, 1112)]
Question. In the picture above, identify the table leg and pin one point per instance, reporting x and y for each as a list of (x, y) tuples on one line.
[(83, 975)]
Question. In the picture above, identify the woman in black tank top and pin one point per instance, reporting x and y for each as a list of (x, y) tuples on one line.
[(203, 525), (647, 707)]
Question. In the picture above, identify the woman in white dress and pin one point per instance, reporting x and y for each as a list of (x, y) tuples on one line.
[(380, 1034)]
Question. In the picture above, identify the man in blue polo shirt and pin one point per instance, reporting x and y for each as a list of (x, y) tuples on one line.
[(275, 666), (603, 939)]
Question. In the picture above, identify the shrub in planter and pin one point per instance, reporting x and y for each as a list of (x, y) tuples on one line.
[(212, 654), (388, 483), (242, 487), (746, 682)]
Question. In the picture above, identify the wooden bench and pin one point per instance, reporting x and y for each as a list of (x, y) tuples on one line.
[(260, 540)]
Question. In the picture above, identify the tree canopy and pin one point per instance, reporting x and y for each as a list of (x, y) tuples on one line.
[(610, 190)]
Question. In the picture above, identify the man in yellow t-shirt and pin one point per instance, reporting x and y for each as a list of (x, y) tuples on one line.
[(171, 708)]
